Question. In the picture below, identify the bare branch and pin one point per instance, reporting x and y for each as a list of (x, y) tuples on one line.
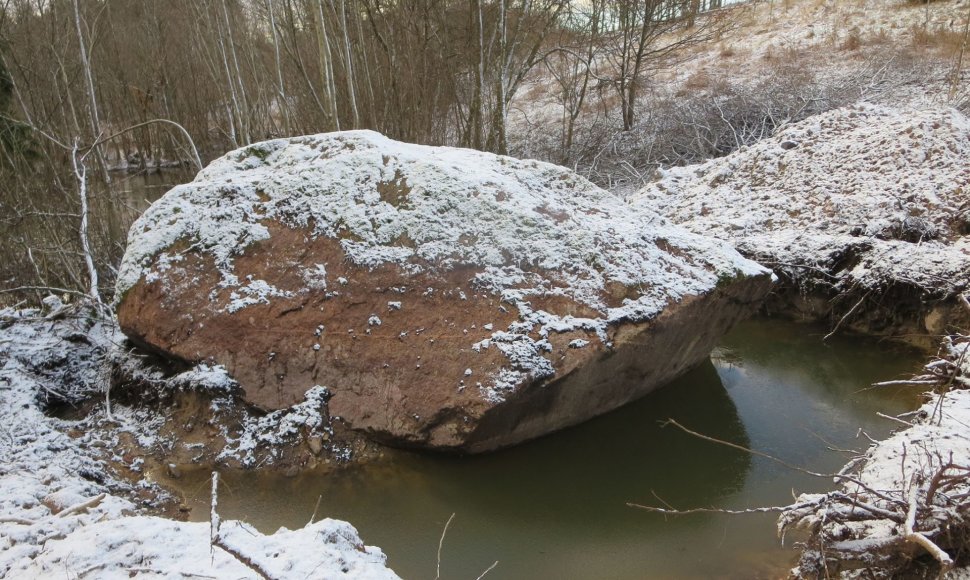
[(441, 542)]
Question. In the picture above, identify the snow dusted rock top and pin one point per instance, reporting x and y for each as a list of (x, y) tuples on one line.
[(428, 208), (384, 270), (863, 197)]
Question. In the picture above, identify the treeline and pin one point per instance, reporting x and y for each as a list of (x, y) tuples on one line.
[(236, 71)]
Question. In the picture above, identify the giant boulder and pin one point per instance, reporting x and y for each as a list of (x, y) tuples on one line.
[(447, 298)]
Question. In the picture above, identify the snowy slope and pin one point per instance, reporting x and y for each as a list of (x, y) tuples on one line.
[(890, 187)]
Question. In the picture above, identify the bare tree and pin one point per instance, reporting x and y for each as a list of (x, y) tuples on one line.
[(646, 35)]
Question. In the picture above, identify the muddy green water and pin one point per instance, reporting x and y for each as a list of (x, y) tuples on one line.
[(556, 507)]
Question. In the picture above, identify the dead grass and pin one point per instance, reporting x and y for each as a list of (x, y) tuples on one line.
[(943, 39), (852, 41), (697, 81)]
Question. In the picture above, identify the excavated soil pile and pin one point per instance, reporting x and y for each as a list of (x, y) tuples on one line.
[(865, 204)]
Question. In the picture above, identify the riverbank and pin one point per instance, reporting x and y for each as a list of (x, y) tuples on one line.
[(134, 448), (861, 212), (902, 509), (76, 496)]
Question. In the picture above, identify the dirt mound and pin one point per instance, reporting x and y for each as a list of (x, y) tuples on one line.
[(864, 199)]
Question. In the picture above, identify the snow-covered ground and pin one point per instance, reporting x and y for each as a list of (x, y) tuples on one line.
[(65, 511), (907, 500), (859, 201)]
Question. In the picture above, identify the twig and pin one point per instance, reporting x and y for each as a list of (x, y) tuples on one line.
[(185, 133), (87, 504), (216, 540), (758, 510), (804, 266), (15, 520), (313, 516), (487, 570), (946, 563), (214, 522), (441, 542), (166, 572), (907, 383), (945, 388), (847, 315), (963, 301), (891, 418), (837, 495), (43, 289), (836, 476), (80, 172)]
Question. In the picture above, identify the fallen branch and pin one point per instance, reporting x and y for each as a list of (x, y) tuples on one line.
[(907, 383), (835, 476), (487, 570), (891, 418), (441, 542), (313, 516), (166, 572), (216, 539), (846, 316), (836, 496), (692, 511), (84, 505), (15, 520), (946, 563)]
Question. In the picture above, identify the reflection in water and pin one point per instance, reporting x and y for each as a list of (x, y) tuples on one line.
[(132, 193), (555, 507)]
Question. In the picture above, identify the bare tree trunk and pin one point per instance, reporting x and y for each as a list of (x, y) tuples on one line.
[(349, 68), (235, 112), (475, 111), (695, 7), (281, 90), (368, 77), (326, 69), (501, 115), (596, 7), (958, 68), (81, 173), (244, 114), (93, 102)]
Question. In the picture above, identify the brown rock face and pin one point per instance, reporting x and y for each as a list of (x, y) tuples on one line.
[(448, 299)]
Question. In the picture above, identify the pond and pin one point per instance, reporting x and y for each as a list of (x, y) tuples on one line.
[(556, 507)]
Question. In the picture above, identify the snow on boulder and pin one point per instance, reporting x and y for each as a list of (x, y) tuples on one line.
[(446, 298), (865, 197)]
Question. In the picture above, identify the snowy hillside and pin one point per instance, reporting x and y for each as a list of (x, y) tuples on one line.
[(857, 200)]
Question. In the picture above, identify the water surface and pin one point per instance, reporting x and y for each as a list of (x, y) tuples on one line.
[(556, 507)]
